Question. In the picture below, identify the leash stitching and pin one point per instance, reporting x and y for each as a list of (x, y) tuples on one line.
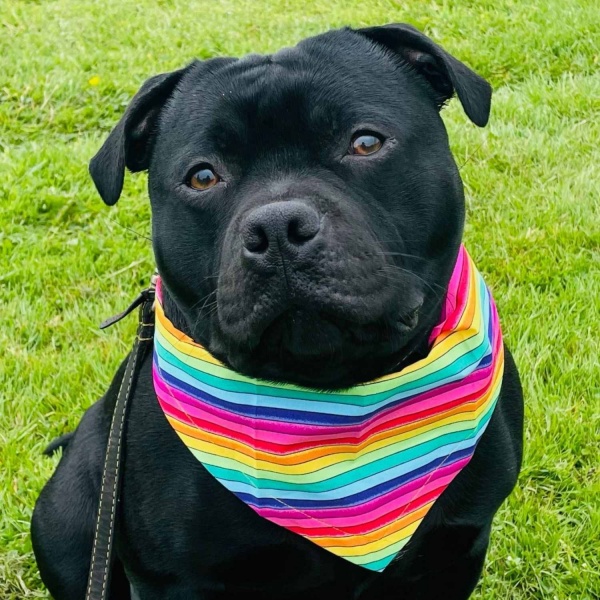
[(114, 495)]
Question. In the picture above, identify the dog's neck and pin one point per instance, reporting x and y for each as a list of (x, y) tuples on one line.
[(416, 348)]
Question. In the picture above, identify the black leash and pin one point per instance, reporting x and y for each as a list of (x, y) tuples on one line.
[(98, 585)]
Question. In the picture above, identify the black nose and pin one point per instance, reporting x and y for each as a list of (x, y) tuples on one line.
[(286, 227)]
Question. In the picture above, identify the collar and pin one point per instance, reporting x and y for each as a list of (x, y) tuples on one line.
[(353, 471)]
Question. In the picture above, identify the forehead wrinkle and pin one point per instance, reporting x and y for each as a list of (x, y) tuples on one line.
[(284, 98), (271, 101)]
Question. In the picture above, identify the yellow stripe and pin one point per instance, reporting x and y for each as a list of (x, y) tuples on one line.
[(409, 432), (377, 550), (326, 467), (253, 459)]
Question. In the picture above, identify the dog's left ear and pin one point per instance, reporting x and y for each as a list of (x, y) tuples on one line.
[(444, 73), (130, 143)]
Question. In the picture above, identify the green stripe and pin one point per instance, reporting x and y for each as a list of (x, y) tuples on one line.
[(429, 372)]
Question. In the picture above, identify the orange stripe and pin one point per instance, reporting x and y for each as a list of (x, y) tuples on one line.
[(356, 540), (313, 453)]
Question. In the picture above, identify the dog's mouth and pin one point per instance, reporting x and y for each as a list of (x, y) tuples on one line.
[(306, 334), (320, 349)]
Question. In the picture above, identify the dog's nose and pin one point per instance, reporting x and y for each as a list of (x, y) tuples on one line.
[(286, 227)]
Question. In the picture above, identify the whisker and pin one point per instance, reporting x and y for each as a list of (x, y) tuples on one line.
[(391, 268), (145, 237), (470, 157), (203, 299), (402, 254)]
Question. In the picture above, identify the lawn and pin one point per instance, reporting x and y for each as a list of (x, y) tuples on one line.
[(67, 70)]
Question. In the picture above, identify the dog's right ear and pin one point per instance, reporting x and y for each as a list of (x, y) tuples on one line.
[(130, 143)]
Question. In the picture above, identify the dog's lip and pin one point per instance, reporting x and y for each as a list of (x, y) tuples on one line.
[(361, 333), (402, 323), (340, 319), (327, 367), (408, 321)]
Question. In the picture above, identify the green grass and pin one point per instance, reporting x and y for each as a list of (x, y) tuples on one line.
[(67, 261)]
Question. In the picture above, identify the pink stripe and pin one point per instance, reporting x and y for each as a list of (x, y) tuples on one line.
[(452, 293), (293, 443), (278, 438), (310, 520)]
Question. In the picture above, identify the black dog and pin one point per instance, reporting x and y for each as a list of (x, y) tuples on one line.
[(306, 215)]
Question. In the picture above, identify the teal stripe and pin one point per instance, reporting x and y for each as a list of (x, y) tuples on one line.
[(344, 405), (347, 477), (377, 565), (172, 356)]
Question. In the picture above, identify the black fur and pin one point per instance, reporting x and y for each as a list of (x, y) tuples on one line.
[(59, 442), (303, 264)]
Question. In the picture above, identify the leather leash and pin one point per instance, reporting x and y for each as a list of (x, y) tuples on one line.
[(98, 585)]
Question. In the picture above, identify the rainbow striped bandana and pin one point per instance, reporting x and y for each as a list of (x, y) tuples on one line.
[(353, 471)]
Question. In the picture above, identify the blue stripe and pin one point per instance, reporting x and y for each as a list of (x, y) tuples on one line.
[(168, 362), (369, 481), (359, 497)]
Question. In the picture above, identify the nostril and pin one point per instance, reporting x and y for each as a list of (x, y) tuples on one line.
[(301, 230), (294, 233), (256, 240)]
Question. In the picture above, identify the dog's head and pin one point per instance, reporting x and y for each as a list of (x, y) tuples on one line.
[(307, 210)]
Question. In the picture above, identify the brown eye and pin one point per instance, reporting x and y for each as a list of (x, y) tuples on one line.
[(365, 143), (204, 178)]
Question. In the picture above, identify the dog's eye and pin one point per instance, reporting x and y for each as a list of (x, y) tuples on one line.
[(203, 178), (365, 143)]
